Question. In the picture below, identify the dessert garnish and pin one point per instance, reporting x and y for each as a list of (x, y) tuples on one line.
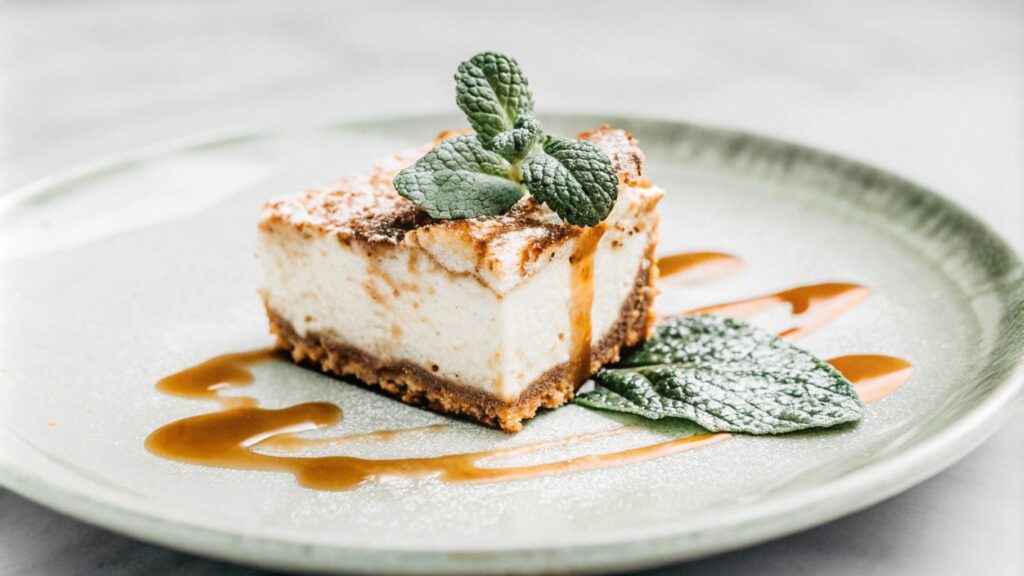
[(486, 173), (727, 376)]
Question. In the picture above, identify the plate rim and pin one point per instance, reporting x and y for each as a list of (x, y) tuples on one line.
[(94, 502)]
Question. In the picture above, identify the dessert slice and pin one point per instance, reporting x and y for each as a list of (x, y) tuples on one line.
[(490, 317)]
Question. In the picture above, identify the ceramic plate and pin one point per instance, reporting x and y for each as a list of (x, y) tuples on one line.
[(131, 269)]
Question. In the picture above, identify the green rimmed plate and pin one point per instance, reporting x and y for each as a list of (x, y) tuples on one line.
[(133, 268)]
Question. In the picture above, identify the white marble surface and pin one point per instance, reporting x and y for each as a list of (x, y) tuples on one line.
[(932, 90)]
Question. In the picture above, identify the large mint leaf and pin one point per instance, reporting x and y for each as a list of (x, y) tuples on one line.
[(574, 178), (493, 92), (459, 179), (727, 376)]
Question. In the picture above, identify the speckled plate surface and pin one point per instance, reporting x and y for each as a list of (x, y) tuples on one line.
[(119, 273)]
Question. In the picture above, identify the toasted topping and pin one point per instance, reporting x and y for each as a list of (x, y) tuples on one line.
[(621, 147), (499, 250), (365, 207)]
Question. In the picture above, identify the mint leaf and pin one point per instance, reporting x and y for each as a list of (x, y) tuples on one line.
[(493, 92), (574, 178), (513, 145), (727, 376), (459, 179)]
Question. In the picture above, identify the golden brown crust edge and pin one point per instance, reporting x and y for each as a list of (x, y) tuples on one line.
[(418, 387)]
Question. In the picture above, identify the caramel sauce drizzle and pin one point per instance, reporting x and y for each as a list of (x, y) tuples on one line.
[(816, 305), (696, 267), (581, 301), (227, 438), (873, 376), (206, 379), (293, 443)]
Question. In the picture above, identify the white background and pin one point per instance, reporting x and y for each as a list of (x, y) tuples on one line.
[(931, 90)]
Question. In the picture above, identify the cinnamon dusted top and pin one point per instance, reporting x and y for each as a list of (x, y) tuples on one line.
[(500, 250)]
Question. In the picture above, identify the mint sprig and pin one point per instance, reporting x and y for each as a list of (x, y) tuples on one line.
[(487, 173), (727, 376)]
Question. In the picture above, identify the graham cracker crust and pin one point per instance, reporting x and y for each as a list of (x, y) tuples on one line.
[(419, 387)]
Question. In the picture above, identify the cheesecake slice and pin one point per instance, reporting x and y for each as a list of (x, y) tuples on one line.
[(490, 318)]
